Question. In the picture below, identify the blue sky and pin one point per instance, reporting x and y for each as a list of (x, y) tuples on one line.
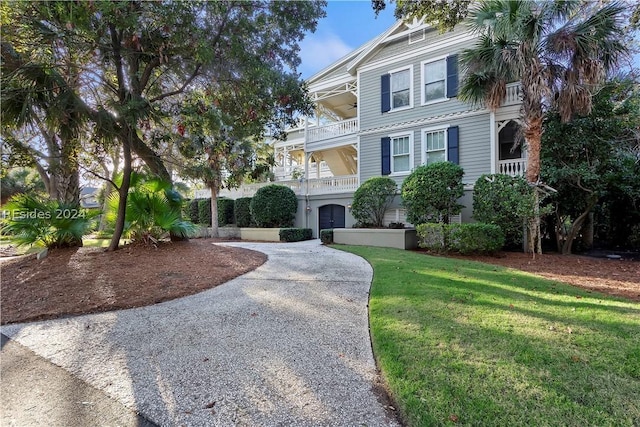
[(348, 25)]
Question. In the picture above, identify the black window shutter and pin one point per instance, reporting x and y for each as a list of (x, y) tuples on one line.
[(452, 76), (385, 99), (452, 145), (385, 145)]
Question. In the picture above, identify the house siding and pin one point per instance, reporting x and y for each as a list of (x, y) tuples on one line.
[(474, 147), (370, 91)]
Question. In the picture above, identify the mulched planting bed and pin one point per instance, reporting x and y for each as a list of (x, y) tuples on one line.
[(89, 280)]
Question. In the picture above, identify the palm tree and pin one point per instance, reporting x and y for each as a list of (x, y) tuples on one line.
[(560, 51)]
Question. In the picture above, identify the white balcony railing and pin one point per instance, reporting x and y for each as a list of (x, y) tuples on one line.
[(335, 184), (332, 185), (513, 167), (332, 130), (514, 94)]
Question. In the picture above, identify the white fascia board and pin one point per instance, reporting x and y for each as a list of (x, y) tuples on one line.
[(331, 83), (381, 39), (339, 62), (418, 52)]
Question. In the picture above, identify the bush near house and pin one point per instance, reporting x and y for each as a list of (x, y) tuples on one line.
[(462, 238), (274, 206), (204, 212), (372, 199), (243, 212), (326, 236), (225, 211), (505, 201), (430, 192), (295, 234)]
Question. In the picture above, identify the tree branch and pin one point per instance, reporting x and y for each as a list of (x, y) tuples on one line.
[(97, 175), (181, 89)]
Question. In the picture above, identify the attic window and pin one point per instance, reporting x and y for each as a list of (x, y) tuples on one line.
[(416, 36)]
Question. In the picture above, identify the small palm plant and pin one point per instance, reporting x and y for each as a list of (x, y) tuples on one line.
[(32, 220), (153, 211)]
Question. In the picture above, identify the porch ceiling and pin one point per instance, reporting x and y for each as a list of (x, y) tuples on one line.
[(344, 105), (341, 98)]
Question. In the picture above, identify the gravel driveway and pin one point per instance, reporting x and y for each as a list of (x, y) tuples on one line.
[(286, 344)]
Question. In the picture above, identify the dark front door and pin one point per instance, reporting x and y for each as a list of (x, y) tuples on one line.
[(331, 216)]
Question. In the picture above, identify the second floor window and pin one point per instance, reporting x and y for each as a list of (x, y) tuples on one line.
[(435, 144), (400, 89), (400, 153), (434, 79)]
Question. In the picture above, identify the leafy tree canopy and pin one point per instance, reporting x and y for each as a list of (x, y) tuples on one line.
[(444, 14)]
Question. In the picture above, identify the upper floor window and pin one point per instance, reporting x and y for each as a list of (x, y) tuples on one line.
[(435, 80), (439, 79), (400, 89), (397, 89), (401, 146)]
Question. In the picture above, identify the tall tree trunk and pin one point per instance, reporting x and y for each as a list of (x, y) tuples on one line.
[(533, 137), (214, 210), (587, 231), (123, 192)]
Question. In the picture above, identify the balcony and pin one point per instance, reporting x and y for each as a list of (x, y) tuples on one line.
[(514, 95), (331, 185), (512, 167), (332, 130)]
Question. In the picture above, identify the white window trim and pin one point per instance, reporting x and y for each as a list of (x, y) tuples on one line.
[(411, 150), (423, 142), (422, 80), (397, 70)]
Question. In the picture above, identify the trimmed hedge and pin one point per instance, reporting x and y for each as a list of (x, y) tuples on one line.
[(243, 212), (462, 238), (204, 212), (193, 211), (431, 236), (326, 236), (295, 234), (475, 238), (225, 211), (274, 206)]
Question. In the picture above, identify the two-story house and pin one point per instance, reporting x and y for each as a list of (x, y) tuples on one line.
[(384, 109)]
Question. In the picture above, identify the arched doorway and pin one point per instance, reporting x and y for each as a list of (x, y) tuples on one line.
[(331, 216)]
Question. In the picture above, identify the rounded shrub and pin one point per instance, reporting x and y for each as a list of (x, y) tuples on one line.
[(430, 193), (243, 212), (274, 206), (372, 199), (505, 201)]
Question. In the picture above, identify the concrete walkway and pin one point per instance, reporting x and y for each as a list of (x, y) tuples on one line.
[(286, 344)]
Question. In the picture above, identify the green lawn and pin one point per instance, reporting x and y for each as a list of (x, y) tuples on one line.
[(467, 343)]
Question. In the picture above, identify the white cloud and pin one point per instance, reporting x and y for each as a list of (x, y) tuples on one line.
[(319, 50)]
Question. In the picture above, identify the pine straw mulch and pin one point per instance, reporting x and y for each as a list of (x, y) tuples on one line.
[(89, 280), (616, 277)]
